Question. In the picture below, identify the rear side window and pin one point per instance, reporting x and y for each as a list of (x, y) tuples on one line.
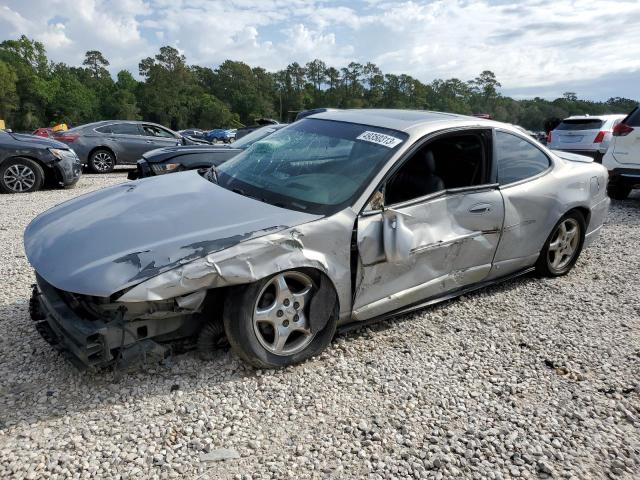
[(153, 131), (105, 129), (633, 119), (125, 129), (517, 159), (581, 124)]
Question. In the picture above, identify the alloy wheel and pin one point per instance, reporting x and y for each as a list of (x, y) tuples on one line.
[(19, 178), (280, 318), (102, 161), (564, 244)]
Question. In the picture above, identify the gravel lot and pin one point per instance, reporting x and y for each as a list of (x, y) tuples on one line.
[(532, 379)]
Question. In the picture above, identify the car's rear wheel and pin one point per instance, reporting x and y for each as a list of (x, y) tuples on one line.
[(268, 322), (563, 247), (102, 161), (20, 175), (618, 192)]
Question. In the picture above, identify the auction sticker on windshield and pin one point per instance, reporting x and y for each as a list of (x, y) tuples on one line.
[(379, 138)]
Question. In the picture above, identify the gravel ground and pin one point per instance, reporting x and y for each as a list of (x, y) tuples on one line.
[(532, 379)]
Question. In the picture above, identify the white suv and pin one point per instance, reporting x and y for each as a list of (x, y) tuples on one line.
[(623, 157), (584, 134)]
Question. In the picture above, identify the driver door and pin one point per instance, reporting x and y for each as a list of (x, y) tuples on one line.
[(439, 242)]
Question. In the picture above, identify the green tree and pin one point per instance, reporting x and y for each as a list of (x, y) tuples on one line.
[(8, 95), (96, 63)]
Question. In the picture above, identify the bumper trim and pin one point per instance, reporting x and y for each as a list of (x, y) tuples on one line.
[(84, 339)]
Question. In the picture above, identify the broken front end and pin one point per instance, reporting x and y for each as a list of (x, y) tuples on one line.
[(96, 331)]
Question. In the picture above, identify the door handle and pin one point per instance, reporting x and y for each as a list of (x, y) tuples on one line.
[(480, 208), (148, 141)]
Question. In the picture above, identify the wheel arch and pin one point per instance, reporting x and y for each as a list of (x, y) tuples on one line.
[(26, 157), (103, 147), (584, 211), (49, 172), (317, 274)]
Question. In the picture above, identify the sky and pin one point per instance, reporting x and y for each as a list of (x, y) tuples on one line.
[(535, 47)]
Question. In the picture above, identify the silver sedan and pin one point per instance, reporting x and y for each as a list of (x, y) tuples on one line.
[(341, 218)]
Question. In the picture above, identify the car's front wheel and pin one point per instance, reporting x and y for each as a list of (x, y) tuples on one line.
[(618, 192), (102, 161), (268, 323), (20, 175), (563, 247)]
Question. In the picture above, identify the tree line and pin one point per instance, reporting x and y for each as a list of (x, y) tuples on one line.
[(36, 92)]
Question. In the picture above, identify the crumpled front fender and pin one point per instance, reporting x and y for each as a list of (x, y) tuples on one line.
[(243, 263), (323, 245)]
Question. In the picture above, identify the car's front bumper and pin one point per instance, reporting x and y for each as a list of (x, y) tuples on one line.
[(142, 170), (85, 342), (68, 169), (91, 342)]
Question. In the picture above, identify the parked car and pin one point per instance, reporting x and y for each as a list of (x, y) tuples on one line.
[(584, 134), (623, 157), (43, 132), (194, 133), (103, 145), (226, 135), (28, 162), (177, 159), (259, 122), (341, 218)]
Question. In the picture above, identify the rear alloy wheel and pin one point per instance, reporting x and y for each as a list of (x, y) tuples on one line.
[(20, 175), (563, 246), (268, 322), (618, 192), (102, 161)]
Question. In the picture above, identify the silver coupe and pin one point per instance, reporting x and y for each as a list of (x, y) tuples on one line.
[(340, 218)]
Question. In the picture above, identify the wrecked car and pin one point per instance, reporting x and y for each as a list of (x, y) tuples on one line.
[(340, 218)]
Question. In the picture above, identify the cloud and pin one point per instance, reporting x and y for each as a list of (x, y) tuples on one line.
[(532, 45)]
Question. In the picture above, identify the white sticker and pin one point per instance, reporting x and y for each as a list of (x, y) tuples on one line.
[(379, 138)]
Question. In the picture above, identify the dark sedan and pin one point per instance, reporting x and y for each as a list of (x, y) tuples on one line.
[(28, 162), (190, 157), (103, 145)]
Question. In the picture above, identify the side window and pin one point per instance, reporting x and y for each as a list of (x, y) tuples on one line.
[(517, 159), (105, 129), (153, 131), (125, 129), (452, 161)]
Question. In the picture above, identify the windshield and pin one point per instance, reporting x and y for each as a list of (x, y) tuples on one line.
[(254, 136), (319, 166)]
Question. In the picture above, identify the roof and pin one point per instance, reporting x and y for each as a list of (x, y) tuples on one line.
[(403, 120)]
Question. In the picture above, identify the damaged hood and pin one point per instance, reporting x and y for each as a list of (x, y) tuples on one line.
[(114, 238)]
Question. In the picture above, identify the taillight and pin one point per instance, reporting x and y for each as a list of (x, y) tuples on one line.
[(67, 138), (621, 130), (599, 137), (548, 138)]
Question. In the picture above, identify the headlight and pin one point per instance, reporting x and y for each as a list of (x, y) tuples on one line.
[(58, 153), (160, 168)]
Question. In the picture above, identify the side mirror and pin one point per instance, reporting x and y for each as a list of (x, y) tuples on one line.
[(397, 238)]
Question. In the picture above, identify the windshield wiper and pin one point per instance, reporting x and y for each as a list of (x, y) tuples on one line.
[(239, 191), (212, 174)]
